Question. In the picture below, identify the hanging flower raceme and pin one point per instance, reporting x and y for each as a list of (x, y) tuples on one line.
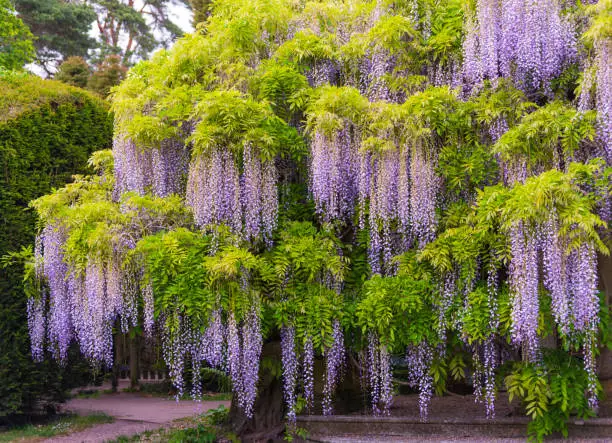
[(36, 325), (290, 370), (308, 372), (244, 346), (604, 94), (419, 359), (334, 362), (252, 343), (524, 289), (55, 269), (334, 171), (213, 189), (160, 170), (554, 262), (384, 208), (175, 344), (373, 68), (170, 163), (133, 167), (379, 376), (259, 196), (529, 41), (206, 346), (423, 195), (247, 203)]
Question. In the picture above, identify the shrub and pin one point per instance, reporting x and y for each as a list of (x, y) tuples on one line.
[(47, 131)]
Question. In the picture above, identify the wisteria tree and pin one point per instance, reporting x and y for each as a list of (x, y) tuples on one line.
[(331, 184)]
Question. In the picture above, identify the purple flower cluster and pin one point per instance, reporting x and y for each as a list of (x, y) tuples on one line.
[(384, 208), (322, 72), (524, 289), (81, 305), (447, 292), (419, 359), (211, 344), (334, 172), (584, 303), (308, 372), (213, 190), (259, 199), (175, 344), (373, 68), (159, 169), (244, 346), (217, 193), (148, 309), (290, 370), (526, 40), (59, 323), (490, 364), (206, 346), (334, 362), (36, 325), (402, 189), (170, 163), (424, 188), (604, 94), (379, 376), (555, 273), (571, 280), (132, 167)]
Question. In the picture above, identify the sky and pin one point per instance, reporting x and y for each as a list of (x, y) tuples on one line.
[(179, 14)]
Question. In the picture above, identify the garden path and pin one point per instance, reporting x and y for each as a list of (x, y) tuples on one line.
[(133, 414)]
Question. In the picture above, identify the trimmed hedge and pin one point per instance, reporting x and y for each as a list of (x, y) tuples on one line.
[(47, 131)]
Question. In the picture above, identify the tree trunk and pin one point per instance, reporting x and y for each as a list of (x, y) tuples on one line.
[(134, 375), (115, 373), (605, 285), (267, 422)]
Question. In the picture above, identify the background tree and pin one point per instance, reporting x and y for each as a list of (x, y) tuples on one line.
[(107, 74), (61, 28), (74, 71), (201, 10), (132, 29), (16, 47)]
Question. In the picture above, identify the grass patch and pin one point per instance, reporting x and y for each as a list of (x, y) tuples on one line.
[(61, 425), (203, 428)]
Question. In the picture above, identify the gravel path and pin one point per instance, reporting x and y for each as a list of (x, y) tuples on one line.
[(133, 414)]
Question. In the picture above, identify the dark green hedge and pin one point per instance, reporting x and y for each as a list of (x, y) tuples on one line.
[(47, 131)]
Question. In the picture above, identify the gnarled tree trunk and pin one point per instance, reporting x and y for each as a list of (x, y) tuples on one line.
[(268, 418)]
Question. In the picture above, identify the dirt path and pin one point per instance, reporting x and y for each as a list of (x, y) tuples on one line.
[(133, 414)]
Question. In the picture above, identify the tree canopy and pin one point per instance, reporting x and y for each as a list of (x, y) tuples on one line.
[(16, 47), (425, 179)]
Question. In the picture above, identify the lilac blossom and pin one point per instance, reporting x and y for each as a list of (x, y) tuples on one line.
[(258, 194), (213, 190), (419, 359), (524, 289), (334, 362), (36, 325), (252, 343), (555, 273), (334, 173), (308, 372), (379, 375), (527, 40), (423, 192), (290, 370)]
